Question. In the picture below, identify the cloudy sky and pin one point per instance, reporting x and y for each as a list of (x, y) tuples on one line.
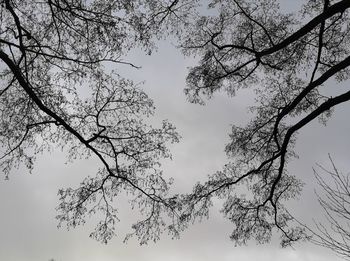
[(28, 229)]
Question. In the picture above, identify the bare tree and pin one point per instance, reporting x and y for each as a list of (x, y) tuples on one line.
[(51, 50), (334, 197), (287, 59), (56, 88)]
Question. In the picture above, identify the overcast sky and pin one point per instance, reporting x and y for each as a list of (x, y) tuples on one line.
[(28, 229)]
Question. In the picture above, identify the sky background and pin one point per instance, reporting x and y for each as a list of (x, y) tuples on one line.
[(28, 228)]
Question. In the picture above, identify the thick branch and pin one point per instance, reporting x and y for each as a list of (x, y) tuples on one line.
[(339, 7), (27, 88)]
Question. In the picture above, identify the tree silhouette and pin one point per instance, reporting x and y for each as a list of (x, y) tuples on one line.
[(57, 89), (287, 60), (54, 53), (334, 198)]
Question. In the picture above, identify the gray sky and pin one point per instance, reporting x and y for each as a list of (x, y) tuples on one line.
[(27, 222)]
